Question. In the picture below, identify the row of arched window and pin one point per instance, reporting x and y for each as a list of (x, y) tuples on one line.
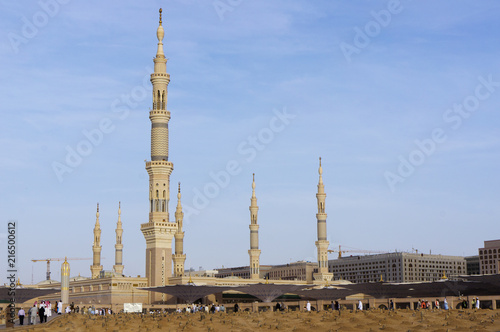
[(159, 100)]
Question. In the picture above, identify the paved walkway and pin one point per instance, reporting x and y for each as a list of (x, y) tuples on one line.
[(26, 321)]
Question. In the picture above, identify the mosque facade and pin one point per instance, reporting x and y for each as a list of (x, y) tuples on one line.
[(159, 232), (164, 262)]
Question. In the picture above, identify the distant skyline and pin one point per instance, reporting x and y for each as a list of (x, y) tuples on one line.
[(399, 98)]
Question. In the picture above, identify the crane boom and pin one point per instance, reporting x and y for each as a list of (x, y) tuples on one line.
[(48, 260)]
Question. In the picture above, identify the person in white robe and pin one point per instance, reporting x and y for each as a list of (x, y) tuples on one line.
[(48, 310)]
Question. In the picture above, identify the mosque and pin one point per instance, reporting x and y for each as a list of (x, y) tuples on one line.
[(165, 262)]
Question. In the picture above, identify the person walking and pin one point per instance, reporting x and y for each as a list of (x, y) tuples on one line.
[(48, 309), (41, 313), (21, 314), (477, 303), (360, 305), (308, 306), (32, 313), (445, 304)]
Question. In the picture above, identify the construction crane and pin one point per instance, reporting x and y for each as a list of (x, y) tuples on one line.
[(48, 260), (354, 250)]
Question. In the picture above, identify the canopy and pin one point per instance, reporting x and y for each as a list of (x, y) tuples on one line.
[(268, 292), (24, 294), (188, 293)]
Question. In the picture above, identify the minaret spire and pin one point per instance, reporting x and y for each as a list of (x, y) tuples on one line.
[(160, 34), (179, 257), (96, 266), (118, 267), (254, 251), (159, 230), (322, 243)]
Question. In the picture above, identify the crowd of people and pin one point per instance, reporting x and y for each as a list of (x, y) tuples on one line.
[(39, 312), (43, 310), (204, 308)]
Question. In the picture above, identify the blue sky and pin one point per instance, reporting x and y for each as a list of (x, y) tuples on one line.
[(400, 99)]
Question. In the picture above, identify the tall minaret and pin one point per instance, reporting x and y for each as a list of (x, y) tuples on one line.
[(96, 266), (159, 231), (322, 243), (254, 251), (118, 267), (179, 257)]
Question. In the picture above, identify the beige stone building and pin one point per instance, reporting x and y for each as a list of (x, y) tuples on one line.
[(397, 267), (159, 231), (296, 271), (110, 289), (489, 257), (164, 260)]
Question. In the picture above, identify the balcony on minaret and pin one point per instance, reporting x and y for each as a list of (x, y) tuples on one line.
[(164, 163)]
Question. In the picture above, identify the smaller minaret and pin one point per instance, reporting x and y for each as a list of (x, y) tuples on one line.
[(322, 243), (96, 266), (179, 257), (65, 282), (254, 251), (118, 267)]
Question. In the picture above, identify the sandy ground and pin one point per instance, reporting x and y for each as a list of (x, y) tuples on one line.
[(400, 320)]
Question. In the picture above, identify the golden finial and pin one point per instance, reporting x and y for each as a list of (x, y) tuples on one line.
[(179, 187), (160, 15), (320, 171), (97, 207), (381, 279)]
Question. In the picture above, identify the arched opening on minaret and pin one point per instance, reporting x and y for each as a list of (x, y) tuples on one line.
[(157, 201), (158, 100), (163, 100), (164, 201)]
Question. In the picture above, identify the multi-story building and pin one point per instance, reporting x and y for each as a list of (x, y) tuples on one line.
[(473, 266), (242, 272), (294, 271), (397, 267), (489, 256)]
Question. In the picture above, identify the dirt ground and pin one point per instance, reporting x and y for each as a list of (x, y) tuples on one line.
[(376, 320)]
